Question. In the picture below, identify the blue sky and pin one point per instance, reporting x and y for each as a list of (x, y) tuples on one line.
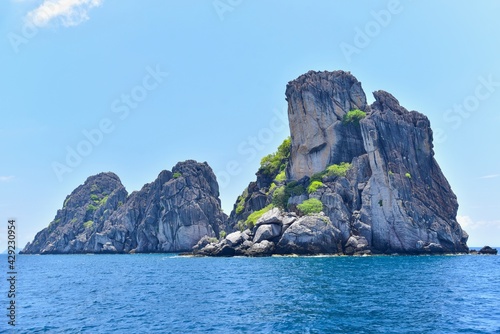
[(152, 83)]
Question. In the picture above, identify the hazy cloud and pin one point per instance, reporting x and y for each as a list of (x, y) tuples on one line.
[(67, 12), (492, 176), (481, 232), (6, 178)]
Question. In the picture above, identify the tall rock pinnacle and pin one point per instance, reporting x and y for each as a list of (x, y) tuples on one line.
[(317, 103)]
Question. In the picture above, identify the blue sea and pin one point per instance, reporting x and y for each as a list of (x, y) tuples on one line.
[(166, 293)]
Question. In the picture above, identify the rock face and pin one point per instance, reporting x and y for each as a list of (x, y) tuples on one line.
[(317, 103), (170, 214), (393, 198)]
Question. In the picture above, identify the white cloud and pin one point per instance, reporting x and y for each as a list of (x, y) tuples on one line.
[(492, 176), (481, 232), (67, 12), (6, 178)]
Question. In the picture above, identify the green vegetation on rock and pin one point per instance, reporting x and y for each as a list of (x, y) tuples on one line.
[(312, 205), (241, 225), (241, 205), (281, 177), (314, 186), (338, 170), (280, 200), (271, 188), (332, 170), (408, 175), (275, 163), (222, 234), (176, 175), (88, 224), (354, 116), (91, 208), (103, 200), (293, 188), (254, 216)]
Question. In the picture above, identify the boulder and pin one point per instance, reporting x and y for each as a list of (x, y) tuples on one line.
[(355, 245), (235, 238), (201, 244), (273, 216), (263, 248), (267, 232), (310, 235)]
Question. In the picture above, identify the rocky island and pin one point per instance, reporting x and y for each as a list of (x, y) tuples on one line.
[(352, 179), (168, 215)]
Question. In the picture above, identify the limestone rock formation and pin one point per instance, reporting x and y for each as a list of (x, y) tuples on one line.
[(376, 177), (170, 214)]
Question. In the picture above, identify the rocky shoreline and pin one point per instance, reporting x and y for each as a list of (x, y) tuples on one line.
[(285, 233)]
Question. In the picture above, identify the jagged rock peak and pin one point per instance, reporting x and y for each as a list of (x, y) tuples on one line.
[(169, 214), (201, 171), (84, 211), (385, 101), (324, 80)]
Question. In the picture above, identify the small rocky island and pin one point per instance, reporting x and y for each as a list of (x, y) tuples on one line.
[(352, 179), (168, 215)]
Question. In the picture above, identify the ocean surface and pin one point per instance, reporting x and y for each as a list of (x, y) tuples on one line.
[(165, 293)]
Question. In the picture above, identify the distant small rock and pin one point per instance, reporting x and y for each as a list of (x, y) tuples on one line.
[(487, 250)]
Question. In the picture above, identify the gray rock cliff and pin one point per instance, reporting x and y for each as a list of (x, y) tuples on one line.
[(390, 196), (170, 214)]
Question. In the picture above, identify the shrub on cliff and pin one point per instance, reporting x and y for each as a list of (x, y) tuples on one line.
[(275, 163), (254, 216), (280, 200), (338, 170), (314, 186), (312, 205), (354, 116)]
